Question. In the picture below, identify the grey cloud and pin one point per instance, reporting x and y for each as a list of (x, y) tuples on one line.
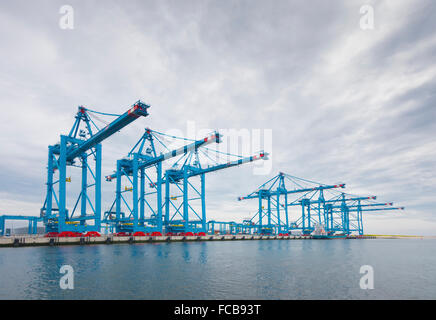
[(228, 64)]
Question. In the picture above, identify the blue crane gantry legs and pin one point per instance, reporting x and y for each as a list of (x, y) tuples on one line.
[(342, 215), (136, 165), (180, 220)]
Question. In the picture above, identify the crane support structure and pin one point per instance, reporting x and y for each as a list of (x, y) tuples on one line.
[(134, 168), (271, 192), (32, 220), (158, 200), (350, 215), (178, 217), (83, 145), (340, 215)]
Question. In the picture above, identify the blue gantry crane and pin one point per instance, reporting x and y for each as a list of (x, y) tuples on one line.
[(134, 168), (78, 149), (340, 215), (183, 218), (344, 214), (271, 192)]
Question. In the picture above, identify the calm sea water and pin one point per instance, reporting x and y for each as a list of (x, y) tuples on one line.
[(296, 269)]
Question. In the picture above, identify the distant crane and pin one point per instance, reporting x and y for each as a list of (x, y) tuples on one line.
[(272, 191), (32, 223), (340, 214), (350, 213)]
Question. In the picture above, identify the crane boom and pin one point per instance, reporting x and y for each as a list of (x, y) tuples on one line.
[(376, 209), (147, 161), (261, 155), (137, 110), (255, 195), (194, 171), (365, 205), (335, 200)]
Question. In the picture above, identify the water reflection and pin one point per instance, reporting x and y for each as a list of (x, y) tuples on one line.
[(203, 253), (297, 269)]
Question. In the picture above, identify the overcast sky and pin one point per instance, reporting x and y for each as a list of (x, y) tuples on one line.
[(344, 104)]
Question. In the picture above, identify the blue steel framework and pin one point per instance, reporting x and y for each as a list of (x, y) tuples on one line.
[(332, 221), (230, 227), (338, 215), (32, 220), (271, 192), (136, 164), (341, 214), (80, 145), (183, 218)]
